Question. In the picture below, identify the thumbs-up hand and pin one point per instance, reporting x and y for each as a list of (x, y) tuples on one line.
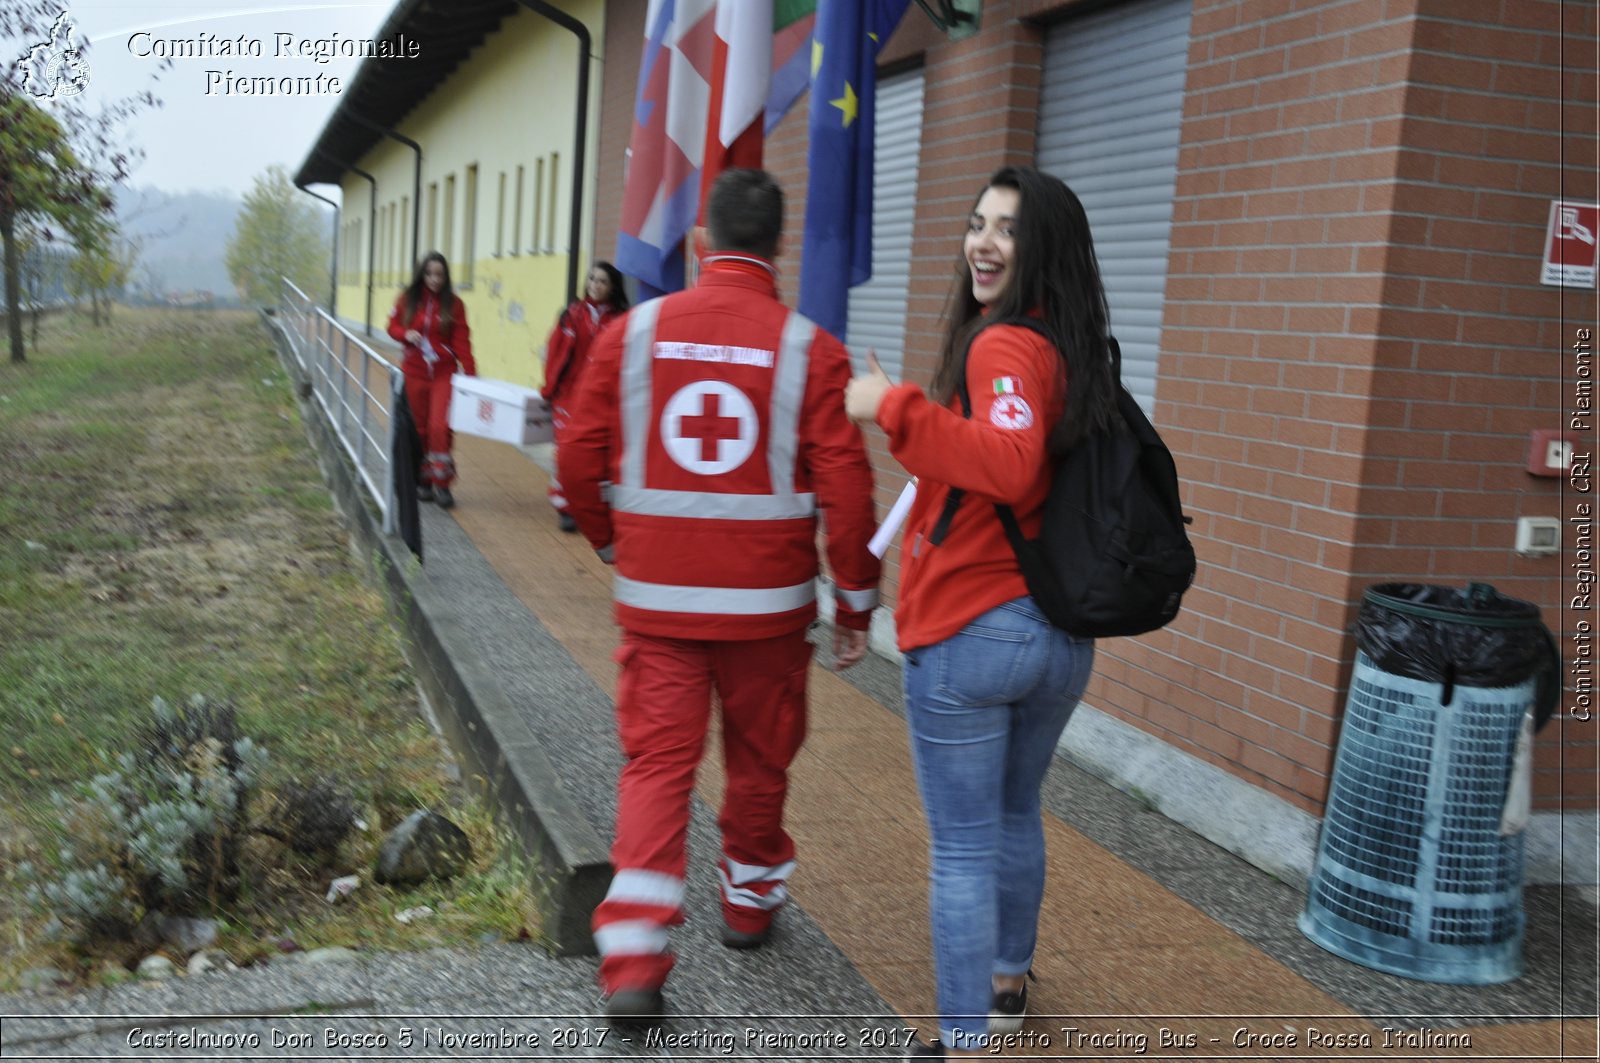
[(864, 393)]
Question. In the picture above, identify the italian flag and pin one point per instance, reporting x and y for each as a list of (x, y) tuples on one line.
[(1007, 385)]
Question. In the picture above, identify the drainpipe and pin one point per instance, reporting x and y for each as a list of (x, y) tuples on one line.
[(575, 232), (333, 289), (372, 226), (416, 194)]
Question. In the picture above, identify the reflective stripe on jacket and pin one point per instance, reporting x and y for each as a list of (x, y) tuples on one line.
[(717, 414)]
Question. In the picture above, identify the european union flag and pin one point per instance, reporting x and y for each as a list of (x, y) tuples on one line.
[(838, 236)]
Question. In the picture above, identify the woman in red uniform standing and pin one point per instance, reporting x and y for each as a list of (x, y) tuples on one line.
[(431, 321), (989, 682), (566, 355)]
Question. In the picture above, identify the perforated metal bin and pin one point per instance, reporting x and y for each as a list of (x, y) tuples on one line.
[(1413, 875)]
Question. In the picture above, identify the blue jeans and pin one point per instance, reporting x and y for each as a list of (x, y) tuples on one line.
[(986, 707)]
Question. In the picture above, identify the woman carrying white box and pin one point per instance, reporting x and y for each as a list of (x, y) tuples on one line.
[(431, 321)]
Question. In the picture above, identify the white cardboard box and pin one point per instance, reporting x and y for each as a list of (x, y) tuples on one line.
[(498, 409)]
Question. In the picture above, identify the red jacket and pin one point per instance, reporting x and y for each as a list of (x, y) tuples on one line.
[(1015, 379), (718, 416), (453, 348), (566, 352)]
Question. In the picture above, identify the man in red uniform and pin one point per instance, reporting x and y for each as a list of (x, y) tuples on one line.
[(718, 416)]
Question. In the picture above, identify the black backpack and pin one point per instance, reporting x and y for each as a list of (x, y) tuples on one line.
[(1112, 556)]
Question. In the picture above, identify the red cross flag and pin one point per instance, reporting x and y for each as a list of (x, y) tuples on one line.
[(1571, 244)]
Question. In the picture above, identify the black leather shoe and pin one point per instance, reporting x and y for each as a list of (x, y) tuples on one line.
[(636, 1007), (443, 496), (566, 522), (425, 493)]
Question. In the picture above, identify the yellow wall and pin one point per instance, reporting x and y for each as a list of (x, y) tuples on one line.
[(511, 103)]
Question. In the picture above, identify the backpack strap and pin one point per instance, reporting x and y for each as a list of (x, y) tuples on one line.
[(952, 501), (1008, 518)]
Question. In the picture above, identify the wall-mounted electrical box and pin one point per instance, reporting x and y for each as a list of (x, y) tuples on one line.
[(1538, 536), (1549, 452)]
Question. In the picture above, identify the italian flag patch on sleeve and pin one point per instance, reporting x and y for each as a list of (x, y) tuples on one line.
[(1007, 385)]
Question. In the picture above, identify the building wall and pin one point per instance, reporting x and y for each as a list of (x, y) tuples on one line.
[(1494, 130), (509, 104), (1355, 349), (1355, 343)]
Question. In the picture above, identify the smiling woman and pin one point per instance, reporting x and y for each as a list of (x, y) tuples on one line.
[(989, 682)]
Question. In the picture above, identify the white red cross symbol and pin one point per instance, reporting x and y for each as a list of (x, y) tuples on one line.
[(709, 427), (1011, 411)]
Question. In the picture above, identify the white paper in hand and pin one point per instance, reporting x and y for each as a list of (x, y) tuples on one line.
[(429, 355), (891, 524)]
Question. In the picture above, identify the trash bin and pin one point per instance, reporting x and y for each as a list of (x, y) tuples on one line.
[(1419, 864)]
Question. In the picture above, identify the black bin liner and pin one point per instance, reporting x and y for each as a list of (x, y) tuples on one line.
[(1474, 637)]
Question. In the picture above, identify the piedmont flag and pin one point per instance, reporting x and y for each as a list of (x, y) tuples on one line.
[(703, 104), (837, 253)]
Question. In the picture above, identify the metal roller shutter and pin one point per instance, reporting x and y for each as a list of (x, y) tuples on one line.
[(1110, 110), (877, 309)]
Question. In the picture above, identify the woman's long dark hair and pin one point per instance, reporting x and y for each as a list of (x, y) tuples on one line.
[(619, 294), (447, 295), (1054, 275)]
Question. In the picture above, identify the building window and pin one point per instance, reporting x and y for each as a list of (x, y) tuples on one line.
[(433, 217), (538, 205), (550, 225), (500, 219), (401, 254), (516, 216), (469, 226), (447, 230)]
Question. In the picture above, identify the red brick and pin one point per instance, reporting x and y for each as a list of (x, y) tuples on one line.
[(1267, 763)]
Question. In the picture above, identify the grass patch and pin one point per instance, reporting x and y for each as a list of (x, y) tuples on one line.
[(166, 532)]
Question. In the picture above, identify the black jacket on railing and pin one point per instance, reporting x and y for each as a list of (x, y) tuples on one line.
[(406, 468)]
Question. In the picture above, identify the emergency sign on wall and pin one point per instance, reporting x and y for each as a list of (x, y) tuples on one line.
[(1571, 245)]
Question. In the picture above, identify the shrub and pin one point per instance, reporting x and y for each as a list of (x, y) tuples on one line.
[(159, 833)]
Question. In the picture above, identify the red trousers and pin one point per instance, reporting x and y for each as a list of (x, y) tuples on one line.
[(558, 422), (663, 712), (429, 398)]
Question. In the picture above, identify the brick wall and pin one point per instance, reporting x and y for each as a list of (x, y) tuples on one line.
[(624, 39), (1471, 349), (1355, 344)]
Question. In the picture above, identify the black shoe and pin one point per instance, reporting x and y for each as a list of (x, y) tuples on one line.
[(745, 939), (919, 1050), (1007, 1010), (566, 522), (636, 1007), (425, 493), (443, 496)]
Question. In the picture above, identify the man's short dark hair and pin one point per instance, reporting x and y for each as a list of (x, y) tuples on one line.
[(745, 213)]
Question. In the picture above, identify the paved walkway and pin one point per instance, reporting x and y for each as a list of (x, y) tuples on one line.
[(1132, 946), (1154, 943)]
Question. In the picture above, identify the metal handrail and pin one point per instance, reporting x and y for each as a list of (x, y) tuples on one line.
[(341, 370)]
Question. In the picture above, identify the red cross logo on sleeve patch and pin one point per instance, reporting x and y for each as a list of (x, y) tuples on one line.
[(709, 427), (1011, 411)]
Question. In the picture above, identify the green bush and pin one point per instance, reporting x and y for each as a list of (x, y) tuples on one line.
[(165, 831)]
